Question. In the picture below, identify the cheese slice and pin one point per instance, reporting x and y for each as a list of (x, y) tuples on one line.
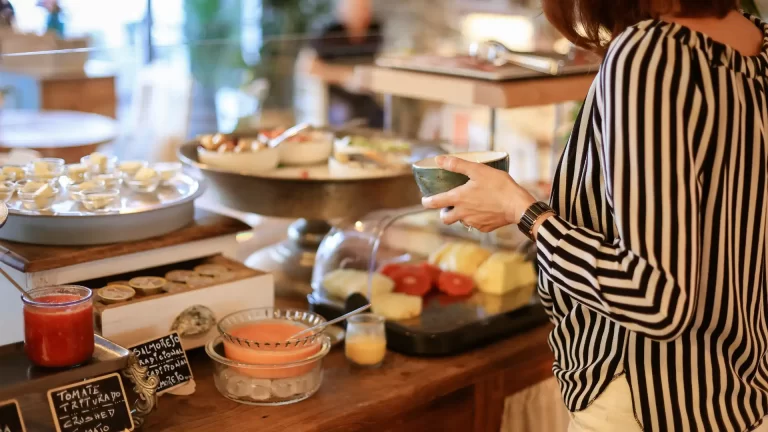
[(439, 254), (504, 272), (396, 306), (342, 283), (464, 258)]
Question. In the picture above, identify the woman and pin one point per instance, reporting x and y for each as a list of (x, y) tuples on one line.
[(653, 254)]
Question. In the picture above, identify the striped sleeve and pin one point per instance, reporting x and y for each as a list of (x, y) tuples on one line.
[(651, 114)]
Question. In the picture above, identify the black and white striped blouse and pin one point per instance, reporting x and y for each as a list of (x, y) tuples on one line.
[(656, 265)]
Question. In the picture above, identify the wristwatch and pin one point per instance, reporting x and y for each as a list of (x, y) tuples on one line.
[(534, 212)]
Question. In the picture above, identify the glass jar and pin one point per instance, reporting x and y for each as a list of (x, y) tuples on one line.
[(366, 340), (58, 325)]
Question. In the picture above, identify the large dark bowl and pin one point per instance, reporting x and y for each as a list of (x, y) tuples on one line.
[(433, 180)]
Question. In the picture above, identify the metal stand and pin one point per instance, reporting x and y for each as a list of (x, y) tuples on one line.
[(492, 130), (291, 261)]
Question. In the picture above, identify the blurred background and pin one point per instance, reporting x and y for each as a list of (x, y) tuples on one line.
[(168, 70), (156, 73)]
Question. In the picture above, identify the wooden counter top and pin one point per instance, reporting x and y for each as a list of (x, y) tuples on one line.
[(461, 393)]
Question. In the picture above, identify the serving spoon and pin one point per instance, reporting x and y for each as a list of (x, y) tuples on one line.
[(288, 134), (321, 326)]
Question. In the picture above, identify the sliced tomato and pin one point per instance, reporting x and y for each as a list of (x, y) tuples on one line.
[(433, 270), (390, 269), (455, 284), (412, 280)]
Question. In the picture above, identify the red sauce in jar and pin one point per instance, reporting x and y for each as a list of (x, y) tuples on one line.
[(58, 336)]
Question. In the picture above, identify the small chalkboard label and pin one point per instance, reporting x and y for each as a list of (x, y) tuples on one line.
[(95, 405), (10, 417), (165, 358)]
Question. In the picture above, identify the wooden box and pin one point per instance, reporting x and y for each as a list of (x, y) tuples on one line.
[(143, 318)]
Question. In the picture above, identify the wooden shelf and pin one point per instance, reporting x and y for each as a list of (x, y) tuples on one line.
[(473, 92), (28, 258)]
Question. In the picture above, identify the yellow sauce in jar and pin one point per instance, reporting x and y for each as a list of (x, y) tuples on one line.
[(365, 350)]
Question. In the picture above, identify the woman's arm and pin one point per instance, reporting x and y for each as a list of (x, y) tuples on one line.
[(653, 117)]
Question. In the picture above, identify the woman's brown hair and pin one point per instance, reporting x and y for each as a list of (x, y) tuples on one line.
[(591, 24)]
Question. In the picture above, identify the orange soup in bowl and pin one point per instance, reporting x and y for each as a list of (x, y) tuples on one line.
[(282, 358)]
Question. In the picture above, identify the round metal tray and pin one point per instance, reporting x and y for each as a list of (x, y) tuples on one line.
[(275, 195), (135, 217)]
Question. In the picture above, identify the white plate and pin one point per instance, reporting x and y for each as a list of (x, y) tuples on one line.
[(248, 162)]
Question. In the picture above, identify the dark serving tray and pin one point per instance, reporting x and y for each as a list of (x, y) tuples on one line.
[(18, 376), (450, 325)]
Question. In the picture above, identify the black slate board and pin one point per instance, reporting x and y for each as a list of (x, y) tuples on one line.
[(449, 325), (165, 358), (95, 405), (10, 417)]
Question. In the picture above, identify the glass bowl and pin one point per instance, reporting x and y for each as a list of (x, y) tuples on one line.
[(7, 188), (76, 172), (130, 167), (98, 199), (45, 169), (14, 172), (101, 164), (109, 180), (230, 324), (267, 384), (75, 188), (35, 201), (147, 185), (167, 170)]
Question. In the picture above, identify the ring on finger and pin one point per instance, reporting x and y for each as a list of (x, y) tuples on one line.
[(467, 226)]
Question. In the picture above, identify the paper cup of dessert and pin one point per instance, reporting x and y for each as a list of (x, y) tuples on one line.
[(96, 183), (347, 157)]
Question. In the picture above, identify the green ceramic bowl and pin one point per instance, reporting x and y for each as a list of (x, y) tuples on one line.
[(433, 180)]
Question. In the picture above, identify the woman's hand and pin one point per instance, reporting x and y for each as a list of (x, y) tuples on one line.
[(490, 199)]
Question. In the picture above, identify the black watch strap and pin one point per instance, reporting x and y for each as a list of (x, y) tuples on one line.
[(531, 216)]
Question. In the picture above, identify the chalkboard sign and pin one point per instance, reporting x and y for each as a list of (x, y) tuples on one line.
[(165, 358), (95, 405), (10, 417)]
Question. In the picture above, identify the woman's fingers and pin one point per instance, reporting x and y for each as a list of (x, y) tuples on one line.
[(449, 216), (446, 199), (457, 165)]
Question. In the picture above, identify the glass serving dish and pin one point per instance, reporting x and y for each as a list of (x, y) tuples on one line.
[(246, 382), (258, 363), (442, 289), (231, 327)]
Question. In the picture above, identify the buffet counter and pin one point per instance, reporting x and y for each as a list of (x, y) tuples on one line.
[(461, 393)]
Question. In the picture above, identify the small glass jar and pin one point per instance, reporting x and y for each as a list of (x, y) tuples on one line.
[(366, 341), (58, 325)]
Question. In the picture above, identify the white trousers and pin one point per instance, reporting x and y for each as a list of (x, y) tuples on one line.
[(612, 411)]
